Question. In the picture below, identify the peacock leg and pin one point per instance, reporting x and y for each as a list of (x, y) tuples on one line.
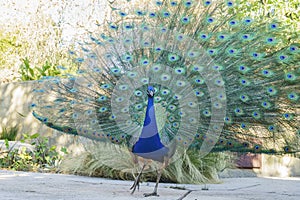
[(137, 180), (154, 193)]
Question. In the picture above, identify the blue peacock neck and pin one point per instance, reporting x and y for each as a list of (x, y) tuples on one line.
[(150, 125), (149, 140)]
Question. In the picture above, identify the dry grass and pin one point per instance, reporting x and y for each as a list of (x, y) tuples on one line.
[(115, 161)]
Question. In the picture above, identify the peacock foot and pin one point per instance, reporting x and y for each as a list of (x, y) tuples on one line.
[(151, 194), (135, 184)]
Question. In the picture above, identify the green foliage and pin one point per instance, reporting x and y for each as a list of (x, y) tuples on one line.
[(9, 133), (43, 157), (35, 73), (37, 48), (8, 46)]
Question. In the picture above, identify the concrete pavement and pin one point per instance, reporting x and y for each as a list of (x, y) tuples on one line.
[(36, 186)]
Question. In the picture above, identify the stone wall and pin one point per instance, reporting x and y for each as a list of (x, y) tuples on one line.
[(14, 109), (279, 166), (15, 99)]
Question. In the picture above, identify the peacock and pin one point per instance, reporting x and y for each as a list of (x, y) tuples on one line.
[(167, 76)]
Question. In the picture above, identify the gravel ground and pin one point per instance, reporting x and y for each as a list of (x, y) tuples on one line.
[(36, 186)]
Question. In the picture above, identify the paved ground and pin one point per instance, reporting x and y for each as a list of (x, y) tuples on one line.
[(36, 186)]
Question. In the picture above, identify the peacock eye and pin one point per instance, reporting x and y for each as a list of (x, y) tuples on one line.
[(273, 26), (159, 3), (210, 20), (188, 3), (232, 22), (248, 20), (229, 3), (185, 19), (173, 3), (152, 15), (207, 3), (282, 57), (166, 14)]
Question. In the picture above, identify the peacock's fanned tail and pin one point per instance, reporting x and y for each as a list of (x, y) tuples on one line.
[(221, 83)]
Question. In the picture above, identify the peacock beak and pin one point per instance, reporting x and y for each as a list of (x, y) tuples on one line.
[(150, 93)]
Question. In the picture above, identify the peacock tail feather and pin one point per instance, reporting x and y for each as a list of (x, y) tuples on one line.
[(221, 83)]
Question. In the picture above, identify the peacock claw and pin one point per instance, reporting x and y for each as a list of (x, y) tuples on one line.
[(151, 194)]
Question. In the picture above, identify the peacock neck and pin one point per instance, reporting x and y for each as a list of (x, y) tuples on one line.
[(150, 125), (149, 140)]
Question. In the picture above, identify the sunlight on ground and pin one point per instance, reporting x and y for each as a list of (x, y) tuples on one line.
[(284, 178), (6, 176)]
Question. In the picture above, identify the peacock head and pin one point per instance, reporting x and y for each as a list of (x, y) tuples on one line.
[(150, 91)]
